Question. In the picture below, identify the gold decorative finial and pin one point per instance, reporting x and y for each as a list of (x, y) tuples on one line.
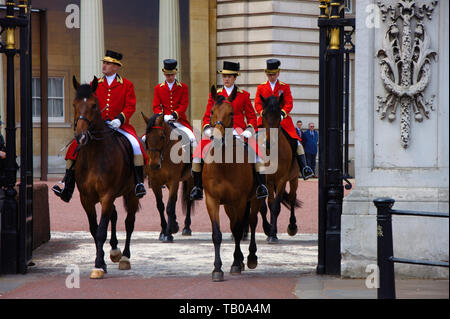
[(334, 40)]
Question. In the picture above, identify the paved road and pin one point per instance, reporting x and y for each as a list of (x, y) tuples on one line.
[(182, 270)]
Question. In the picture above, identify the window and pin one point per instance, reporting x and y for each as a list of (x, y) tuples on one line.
[(348, 6), (55, 99)]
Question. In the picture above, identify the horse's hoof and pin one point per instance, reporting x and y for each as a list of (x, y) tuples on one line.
[(292, 230), (97, 273), (235, 270), (217, 276), (175, 228), (124, 263), (161, 236), (252, 262), (115, 255), (168, 239), (186, 232), (272, 240)]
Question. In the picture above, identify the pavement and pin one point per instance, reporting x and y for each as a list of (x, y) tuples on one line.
[(182, 269)]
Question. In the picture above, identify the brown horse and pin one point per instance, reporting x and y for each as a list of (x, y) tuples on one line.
[(231, 185), (163, 171), (103, 172), (287, 171)]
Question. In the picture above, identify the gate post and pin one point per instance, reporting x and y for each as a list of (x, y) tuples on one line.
[(330, 127), (385, 249), (16, 226), (9, 238)]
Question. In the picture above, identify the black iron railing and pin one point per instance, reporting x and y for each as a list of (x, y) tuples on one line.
[(385, 250)]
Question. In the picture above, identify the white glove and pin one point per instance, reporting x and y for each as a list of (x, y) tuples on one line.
[(247, 134), (208, 132), (114, 123), (282, 117), (168, 118)]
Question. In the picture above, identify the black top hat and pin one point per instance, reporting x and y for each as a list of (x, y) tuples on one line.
[(230, 68), (273, 66), (113, 57), (170, 66)]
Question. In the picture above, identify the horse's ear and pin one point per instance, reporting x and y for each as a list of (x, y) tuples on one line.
[(146, 119), (94, 84), (281, 99), (76, 84), (213, 92), (233, 94), (263, 100)]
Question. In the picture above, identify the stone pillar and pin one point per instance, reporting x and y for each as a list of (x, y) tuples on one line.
[(92, 47), (401, 135), (169, 34)]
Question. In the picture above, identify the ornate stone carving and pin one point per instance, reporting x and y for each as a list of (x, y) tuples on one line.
[(405, 63)]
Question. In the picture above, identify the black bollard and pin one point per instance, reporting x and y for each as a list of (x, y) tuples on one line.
[(385, 249)]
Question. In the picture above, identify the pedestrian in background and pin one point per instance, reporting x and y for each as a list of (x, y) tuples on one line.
[(310, 140), (299, 129)]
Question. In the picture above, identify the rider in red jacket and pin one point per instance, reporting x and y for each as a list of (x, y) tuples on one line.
[(117, 101), (244, 124), (171, 98), (275, 87)]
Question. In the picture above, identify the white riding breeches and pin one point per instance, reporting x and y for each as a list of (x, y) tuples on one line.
[(134, 142), (188, 132)]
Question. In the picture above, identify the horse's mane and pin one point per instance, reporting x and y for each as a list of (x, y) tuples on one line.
[(220, 99), (272, 106), (84, 91)]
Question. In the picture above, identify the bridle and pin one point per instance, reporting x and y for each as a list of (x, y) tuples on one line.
[(154, 149), (222, 123)]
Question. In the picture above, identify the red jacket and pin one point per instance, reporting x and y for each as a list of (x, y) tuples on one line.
[(117, 100), (280, 87), (172, 102), (243, 110)]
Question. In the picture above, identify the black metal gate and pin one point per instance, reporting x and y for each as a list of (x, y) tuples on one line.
[(335, 48), (16, 224)]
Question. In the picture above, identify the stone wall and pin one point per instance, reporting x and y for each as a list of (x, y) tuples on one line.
[(414, 173)]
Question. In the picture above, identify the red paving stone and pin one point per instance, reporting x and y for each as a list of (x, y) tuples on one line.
[(200, 287)]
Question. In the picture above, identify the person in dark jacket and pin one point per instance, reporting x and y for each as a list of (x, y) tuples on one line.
[(310, 140)]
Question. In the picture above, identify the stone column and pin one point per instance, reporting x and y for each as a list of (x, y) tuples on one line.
[(92, 47), (414, 174), (169, 34)]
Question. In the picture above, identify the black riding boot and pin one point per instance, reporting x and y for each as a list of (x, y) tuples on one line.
[(69, 186), (139, 180), (261, 190), (306, 171), (197, 190)]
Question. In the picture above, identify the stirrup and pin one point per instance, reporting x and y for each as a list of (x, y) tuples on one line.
[(307, 173), (196, 193), (139, 190), (262, 191), (58, 190)]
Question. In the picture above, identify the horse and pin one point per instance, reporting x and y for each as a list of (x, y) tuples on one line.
[(288, 172), (103, 172), (231, 185), (163, 171)]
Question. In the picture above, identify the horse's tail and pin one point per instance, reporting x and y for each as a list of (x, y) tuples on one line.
[(186, 201), (288, 201)]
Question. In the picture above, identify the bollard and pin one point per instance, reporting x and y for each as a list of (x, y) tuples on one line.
[(385, 249)]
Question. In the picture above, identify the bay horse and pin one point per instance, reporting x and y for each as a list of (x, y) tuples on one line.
[(231, 185), (103, 172), (287, 171), (163, 171)]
